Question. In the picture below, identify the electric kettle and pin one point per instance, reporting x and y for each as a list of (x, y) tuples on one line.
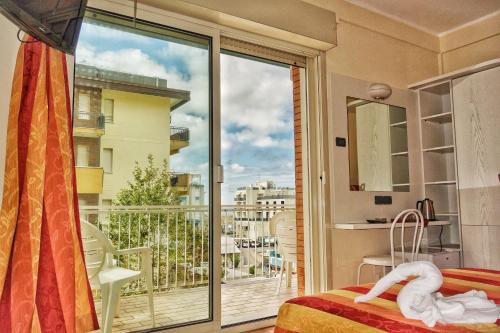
[(426, 207)]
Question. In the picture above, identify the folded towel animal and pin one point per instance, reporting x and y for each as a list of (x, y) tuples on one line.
[(419, 300)]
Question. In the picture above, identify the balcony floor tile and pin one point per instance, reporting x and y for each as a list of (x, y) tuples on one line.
[(242, 301)]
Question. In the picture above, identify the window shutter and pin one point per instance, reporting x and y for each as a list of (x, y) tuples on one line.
[(239, 46)]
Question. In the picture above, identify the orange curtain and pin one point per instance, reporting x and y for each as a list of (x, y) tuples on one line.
[(43, 281)]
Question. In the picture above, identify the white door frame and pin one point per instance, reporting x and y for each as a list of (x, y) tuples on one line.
[(165, 18), (311, 142)]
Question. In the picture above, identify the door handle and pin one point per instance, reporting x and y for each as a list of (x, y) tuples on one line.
[(220, 174)]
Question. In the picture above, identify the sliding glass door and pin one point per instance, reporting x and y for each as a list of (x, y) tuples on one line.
[(143, 137)]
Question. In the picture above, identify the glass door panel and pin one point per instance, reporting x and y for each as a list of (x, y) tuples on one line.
[(143, 113)]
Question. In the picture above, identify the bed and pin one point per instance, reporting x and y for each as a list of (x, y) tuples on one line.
[(334, 311)]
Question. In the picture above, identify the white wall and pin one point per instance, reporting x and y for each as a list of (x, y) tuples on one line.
[(10, 45)]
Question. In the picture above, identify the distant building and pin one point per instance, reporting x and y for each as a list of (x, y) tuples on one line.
[(258, 204), (189, 187), (121, 118)]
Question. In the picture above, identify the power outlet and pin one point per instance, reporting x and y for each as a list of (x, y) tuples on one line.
[(383, 200)]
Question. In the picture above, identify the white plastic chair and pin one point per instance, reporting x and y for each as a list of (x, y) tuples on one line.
[(394, 258), (283, 226), (103, 272)]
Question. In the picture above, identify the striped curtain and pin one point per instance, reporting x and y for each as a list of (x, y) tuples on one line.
[(43, 281)]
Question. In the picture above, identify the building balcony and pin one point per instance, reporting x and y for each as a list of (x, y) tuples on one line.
[(179, 238), (89, 125), (89, 180), (180, 182), (179, 138)]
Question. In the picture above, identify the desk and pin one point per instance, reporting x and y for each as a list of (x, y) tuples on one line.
[(361, 225)]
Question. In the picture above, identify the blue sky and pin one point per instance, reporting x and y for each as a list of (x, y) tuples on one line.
[(256, 104)]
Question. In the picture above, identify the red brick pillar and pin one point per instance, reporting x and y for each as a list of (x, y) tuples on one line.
[(297, 117)]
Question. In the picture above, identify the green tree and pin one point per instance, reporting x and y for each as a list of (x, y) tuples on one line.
[(179, 239), (150, 186)]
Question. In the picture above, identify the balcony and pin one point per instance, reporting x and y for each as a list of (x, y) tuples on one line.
[(89, 180), (178, 236), (181, 182), (89, 124), (179, 138)]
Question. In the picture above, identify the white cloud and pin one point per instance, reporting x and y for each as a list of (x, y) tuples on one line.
[(236, 168), (256, 99)]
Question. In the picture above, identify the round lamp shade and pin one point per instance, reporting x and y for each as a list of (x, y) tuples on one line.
[(379, 90)]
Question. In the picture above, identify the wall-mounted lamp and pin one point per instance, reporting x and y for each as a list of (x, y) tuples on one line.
[(379, 90)]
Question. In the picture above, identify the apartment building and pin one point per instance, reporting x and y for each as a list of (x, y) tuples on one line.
[(119, 119), (259, 202)]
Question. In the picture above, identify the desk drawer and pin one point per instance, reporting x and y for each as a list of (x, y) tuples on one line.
[(446, 259)]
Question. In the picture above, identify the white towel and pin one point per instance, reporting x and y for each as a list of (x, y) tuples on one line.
[(419, 300)]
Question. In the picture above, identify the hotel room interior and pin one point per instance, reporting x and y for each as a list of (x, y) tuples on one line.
[(389, 111)]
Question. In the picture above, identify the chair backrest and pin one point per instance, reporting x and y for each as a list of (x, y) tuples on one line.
[(418, 219), (96, 247), (283, 226)]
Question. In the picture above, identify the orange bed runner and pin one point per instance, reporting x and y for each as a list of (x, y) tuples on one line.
[(336, 312)]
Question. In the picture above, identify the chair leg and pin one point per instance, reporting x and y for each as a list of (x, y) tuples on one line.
[(288, 274), (117, 311), (104, 303), (282, 267), (359, 271), (114, 296), (149, 281)]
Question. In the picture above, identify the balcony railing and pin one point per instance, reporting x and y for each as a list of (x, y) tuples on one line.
[(179, 238), (179, 133), (90, 120)]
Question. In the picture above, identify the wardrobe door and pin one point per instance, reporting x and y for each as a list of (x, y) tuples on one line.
[(476, 102)]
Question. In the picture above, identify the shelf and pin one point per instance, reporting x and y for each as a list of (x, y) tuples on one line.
[(401, 153), (400, 124), (401, 185), (441, 149), (446, 214), (442, 182), (444, 117), (446, 247)]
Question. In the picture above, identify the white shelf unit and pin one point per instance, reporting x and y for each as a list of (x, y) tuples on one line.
[(439, 161), (399, 149)]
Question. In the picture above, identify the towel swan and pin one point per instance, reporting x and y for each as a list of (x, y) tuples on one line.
[(419, 300)]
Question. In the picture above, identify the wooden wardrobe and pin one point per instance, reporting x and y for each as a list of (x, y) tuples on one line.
[(460, 119)]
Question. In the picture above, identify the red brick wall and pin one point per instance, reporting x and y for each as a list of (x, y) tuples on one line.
[(95, 106), (94, 145), (297, 117)]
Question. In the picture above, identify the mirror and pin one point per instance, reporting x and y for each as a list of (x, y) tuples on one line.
[(378, 146)]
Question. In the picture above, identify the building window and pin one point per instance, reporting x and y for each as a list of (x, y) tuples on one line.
[(107, 160), (106, 202), (83, 106), (109, 110), (82, 155)]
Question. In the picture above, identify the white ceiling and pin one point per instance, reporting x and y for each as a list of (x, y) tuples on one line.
[(433, 16)]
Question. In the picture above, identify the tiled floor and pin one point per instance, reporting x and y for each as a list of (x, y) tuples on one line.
[(241, 301)]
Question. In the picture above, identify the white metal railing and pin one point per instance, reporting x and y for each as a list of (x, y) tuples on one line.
[(179, 238)]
